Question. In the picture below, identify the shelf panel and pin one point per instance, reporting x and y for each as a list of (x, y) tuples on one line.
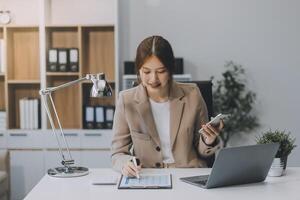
[(15, 93), (2, 74), (62, 73), (67, 101), (23, 53), (23, 81), (62, 37), (98, 51)]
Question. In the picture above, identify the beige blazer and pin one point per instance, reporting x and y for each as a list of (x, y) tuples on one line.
[(134, 128)]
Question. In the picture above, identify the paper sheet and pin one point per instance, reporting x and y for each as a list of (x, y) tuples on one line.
[(147, 181)]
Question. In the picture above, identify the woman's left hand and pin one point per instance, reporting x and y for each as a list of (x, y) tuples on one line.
[(210, 132)]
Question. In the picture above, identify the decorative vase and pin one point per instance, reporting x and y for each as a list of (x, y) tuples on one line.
[(277, 167)]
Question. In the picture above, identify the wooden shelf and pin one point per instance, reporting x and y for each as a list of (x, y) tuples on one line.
[(23, 81), (62, 37), (2, 74), (98, 51), (67, 101), (22, 53), (62, 74)]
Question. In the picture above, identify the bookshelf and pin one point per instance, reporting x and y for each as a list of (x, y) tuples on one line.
[(23, 77), (96, 54), (91, 26)]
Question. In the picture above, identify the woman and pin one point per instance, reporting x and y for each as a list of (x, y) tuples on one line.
[(158, 121)]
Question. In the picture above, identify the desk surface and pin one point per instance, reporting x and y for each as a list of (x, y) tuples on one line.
[(273, 188)]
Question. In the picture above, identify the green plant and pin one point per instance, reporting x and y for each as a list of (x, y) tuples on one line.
[(231, 96), (286, 142)]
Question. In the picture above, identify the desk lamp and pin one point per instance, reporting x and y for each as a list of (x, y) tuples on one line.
[(100, 89)]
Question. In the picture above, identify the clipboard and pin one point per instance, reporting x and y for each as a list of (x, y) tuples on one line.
[(146, 181)]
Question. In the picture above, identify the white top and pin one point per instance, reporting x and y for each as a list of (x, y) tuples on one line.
[(161, 114), (273, 188)]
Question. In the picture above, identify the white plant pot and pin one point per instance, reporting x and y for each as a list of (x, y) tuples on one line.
[(277, 167)]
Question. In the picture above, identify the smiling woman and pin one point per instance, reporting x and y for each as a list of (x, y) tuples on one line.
[(158, 121)]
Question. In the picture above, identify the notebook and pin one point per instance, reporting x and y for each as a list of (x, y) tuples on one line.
[(238, 165)]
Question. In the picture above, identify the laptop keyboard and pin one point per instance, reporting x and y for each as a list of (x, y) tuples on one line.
[(201, 180)]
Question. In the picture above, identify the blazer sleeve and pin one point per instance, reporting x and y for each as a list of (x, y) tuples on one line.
[(121, 141), (202, 118)]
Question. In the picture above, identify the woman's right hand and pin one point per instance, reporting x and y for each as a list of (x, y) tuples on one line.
[(130, 170)]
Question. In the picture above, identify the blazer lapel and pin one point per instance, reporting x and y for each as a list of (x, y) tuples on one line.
[(176, 111), (144, 109)]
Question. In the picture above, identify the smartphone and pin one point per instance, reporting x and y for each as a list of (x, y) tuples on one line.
[(216, 120)]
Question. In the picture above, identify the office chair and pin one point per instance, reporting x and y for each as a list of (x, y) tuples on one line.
[(205, 88)]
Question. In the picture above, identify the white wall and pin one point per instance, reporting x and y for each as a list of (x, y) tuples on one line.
[(263, 36)]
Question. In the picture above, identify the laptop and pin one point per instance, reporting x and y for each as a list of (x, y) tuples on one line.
[(238, 165)]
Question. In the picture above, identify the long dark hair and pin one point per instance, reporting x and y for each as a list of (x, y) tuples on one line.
[(159, 47)]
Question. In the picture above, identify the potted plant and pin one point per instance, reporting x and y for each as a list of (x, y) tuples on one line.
[(286, 145), (232, 96)]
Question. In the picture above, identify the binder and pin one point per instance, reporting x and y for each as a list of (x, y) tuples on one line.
[(62, 60), (73, 59), (22, 113), (100, 117), (52, 60), (36, 113), (109, 116), (89, 117)]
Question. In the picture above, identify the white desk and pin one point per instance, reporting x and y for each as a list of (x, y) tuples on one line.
[(274, 188)]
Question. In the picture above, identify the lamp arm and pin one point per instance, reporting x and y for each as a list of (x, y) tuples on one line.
[(52, 89)]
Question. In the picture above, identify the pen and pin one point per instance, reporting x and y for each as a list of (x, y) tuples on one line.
[(136, 165)]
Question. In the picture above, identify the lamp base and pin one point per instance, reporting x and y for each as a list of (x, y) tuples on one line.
[(68, 172)]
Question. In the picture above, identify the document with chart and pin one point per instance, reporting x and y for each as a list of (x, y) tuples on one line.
[(146, 181)]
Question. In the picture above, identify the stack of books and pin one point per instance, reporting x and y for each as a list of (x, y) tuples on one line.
[(2, 120), (30, 113)]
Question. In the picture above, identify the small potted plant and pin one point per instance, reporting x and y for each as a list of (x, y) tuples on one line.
[(286, 145)]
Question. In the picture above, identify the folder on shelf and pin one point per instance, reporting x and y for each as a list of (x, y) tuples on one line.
[(89, 117), (22, 113), (62, 60), (100, 117), (73, 59), (109, 116), (52, 60)]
